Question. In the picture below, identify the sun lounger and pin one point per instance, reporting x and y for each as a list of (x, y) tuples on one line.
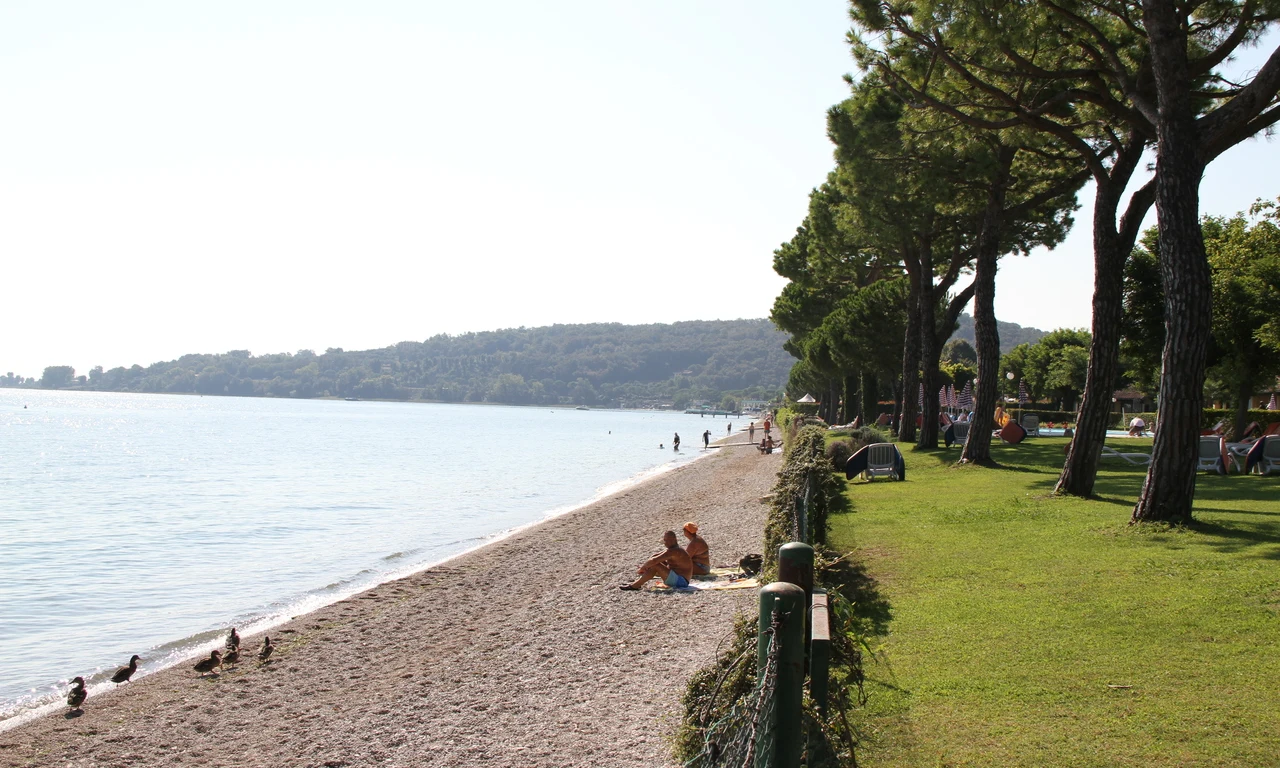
[(957, 433), (1031, 423), (1212, 456), (1136, 459), (1265, 455), (876, 460), (1012, 433)]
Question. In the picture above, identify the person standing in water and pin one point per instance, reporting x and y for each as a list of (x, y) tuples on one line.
[(675, 442), (706, 439)]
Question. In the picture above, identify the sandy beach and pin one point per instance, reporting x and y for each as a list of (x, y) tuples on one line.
[(523, 653)]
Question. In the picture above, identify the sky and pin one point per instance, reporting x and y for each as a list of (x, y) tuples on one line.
[(179, 177)]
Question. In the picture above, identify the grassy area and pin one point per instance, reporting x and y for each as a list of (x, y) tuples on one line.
[(1019, 629)]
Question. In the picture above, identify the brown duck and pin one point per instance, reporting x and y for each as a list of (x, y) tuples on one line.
[(231, 656), (77, 694), (267, 648), (123, 674), (205, 666), (233, 640)]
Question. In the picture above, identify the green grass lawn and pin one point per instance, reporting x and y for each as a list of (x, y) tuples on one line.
[(1018, 629)]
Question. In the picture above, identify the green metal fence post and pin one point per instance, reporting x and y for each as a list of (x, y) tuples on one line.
[(795, 565), (781, 739)]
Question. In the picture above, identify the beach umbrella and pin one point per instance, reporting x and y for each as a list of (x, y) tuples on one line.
[(966, 396), (1022, 392), (1271, 405), (952, 398), (942, 397)]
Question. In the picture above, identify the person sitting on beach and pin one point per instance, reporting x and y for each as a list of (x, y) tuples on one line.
[(698, 550), (672, 565), (1137, 427)]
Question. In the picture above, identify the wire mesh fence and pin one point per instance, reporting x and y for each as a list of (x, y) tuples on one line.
[(735, 740)]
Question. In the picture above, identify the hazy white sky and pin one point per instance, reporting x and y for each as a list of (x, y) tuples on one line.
[(276, 176)]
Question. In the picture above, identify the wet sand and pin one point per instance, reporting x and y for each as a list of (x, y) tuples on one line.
[(523, 653)]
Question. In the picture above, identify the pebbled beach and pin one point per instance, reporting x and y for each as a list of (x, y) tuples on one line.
[(522, 653)]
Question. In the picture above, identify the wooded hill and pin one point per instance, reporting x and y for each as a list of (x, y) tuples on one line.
[(1011, 334), (605, 364)]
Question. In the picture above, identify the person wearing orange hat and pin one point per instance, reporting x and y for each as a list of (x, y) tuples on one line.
[(698, 550)]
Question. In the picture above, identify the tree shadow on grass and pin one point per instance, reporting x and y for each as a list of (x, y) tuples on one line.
[(852, 580), (1257, 539)]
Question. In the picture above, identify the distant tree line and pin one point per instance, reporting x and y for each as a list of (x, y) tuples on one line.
[(596, 364)]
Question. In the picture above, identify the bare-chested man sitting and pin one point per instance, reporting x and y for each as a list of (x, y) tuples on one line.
[(698, 550), (673, 565)]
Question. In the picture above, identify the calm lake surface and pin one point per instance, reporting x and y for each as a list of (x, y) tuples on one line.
[(148, 524)]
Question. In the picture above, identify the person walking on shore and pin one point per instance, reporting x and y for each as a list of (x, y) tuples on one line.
[(751, 433), (672, 565), (706, 439)]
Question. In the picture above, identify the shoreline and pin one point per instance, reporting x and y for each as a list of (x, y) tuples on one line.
[(559, 657), (182, 650)]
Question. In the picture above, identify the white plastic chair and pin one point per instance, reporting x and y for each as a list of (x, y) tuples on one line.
[(882, 461), (960, 431), (1031, 423), (1270, 456), (1210, 457)]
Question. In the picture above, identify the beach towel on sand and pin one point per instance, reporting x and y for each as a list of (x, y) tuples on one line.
[(718, 579)]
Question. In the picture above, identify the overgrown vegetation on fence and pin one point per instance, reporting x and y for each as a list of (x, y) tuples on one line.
[(719, 698)]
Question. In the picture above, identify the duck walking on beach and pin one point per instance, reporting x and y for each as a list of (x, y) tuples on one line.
[(267, 648), (233, 640), (123, 674), (205, 666), (77, 694), (232, 656)]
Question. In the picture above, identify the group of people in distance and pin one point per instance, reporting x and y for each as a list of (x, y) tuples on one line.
[(675, 565)]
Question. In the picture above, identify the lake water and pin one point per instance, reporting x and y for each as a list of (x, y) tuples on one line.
[(148, 524)]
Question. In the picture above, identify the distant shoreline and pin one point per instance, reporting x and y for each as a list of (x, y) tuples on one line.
[(335, 398)]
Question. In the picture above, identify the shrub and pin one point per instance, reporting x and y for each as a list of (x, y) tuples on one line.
[(839, 452)]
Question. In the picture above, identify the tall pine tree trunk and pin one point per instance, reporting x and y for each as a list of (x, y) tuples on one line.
[(1244, 393), (1094, 416), (1171, 478), (930, 357), (850, 409), (910, 364), (869, 388), (986, 336), (1111, 247)]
